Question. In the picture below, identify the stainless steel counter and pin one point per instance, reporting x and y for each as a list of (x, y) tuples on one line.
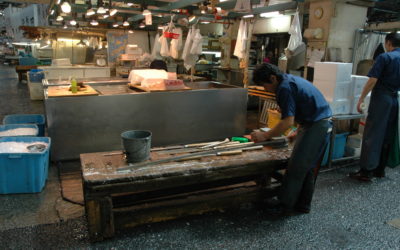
[(88, 124)]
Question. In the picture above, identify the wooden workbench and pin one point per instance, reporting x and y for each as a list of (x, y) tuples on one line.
[(170, 190)]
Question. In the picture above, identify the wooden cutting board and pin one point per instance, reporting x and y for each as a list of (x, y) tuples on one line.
[(63, 91), (156, 90)]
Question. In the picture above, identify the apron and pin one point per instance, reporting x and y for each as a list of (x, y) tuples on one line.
[(379, 128)]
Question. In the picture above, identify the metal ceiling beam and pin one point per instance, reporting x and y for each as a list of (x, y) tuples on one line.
[(180, 4), (228, 5), (275, 7)]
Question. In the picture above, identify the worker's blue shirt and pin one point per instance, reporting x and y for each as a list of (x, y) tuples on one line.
[(299, 98), (387, 70)]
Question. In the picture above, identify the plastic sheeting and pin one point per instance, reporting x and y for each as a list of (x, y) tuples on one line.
[(241, 40)]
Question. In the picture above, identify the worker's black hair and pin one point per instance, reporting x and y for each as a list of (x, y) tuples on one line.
[(394, 38), (263, 72), (158, 64)]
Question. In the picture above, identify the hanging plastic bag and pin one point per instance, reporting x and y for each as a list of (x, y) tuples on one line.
[(197, 46), (164, 51), (243, 6), (295, 34), (241, 40), (176, 44), (156, 47)]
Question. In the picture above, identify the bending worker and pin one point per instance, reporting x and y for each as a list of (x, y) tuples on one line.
[(384, 81), (298, 101)]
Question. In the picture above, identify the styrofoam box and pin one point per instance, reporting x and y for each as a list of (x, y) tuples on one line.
[(350, 151), (353, 105), (354, 141), (340, 107), (357, 84), (333, 91), (333, 71)]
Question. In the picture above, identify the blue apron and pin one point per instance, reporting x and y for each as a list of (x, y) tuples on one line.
[(379, 127)]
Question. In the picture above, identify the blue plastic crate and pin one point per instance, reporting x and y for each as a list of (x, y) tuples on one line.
[(24, 172), (36, 75), (338, 150), (15, 126), (37, 119), (27, 61)]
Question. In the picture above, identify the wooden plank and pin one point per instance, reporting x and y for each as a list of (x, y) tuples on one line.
[(191, 205), (63, 91)]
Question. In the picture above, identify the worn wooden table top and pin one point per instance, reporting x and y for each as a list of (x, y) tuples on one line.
[(101, 168)]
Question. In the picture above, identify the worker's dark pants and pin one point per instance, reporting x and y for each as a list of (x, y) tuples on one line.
[(298, 183), (379, 130)]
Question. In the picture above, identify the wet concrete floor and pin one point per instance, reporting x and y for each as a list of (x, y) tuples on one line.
[(345, 214)]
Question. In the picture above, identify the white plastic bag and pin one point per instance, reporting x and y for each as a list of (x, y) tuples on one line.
[(176, 44), (156, 47), (197, 46), (295, 34), (164, 51)]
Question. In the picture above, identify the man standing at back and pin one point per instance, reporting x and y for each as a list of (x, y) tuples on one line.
[(302, 102), (384, 81)]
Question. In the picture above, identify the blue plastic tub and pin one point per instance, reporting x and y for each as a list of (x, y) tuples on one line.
[(27, 61), (338, 150), (15, 126), (24, 172), (36, 75), (37, 119)]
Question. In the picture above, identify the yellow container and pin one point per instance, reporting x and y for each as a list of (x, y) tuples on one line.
[(274, 117)]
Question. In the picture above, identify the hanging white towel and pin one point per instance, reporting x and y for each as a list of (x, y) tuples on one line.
[(176, 44), (197, 46)]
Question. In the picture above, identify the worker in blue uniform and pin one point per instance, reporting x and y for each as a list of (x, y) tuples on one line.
[(299, 101), (384, 81)]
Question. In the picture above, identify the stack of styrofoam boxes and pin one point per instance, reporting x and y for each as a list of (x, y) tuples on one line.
[(357, 85), (353, 145), (333, 79)]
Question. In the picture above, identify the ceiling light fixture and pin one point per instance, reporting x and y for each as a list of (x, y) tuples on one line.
[(66, 7), (130, 31), (72, 22), (105, 16), (101, 10), (205, 22), (192, 18), (90, 12), (52, 12), (65, 26), (113, 12), (59, 18), (126, 23), (58, 2), (248, 16), (94, 22), (142, 25), (270, 14), (146, 12), (115, 25), (130, 4)]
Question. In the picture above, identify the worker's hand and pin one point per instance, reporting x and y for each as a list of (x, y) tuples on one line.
[(260, 136), (359, 105), (292, 136)]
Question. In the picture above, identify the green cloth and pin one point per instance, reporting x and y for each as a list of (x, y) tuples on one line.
[(394, 154)]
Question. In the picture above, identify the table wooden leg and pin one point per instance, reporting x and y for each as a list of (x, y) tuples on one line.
[(100, 218)]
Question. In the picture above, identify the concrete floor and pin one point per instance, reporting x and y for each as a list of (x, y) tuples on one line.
[(345, 214)]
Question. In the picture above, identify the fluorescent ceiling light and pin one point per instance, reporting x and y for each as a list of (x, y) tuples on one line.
[(90, 12), (146, 12), (191, 18), (130, 31), (65, 7), (67, 40), (160, 27), (113, 12), (101, 10), (248, 16), (142, 25), (126, 23), (52, 12), (205, 22), (105, 16), (94, 22), (221, 1), (270, 14), (216, 53), (72, 22), (59, 18), (115, 25), (25, 43), (130, 4)]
